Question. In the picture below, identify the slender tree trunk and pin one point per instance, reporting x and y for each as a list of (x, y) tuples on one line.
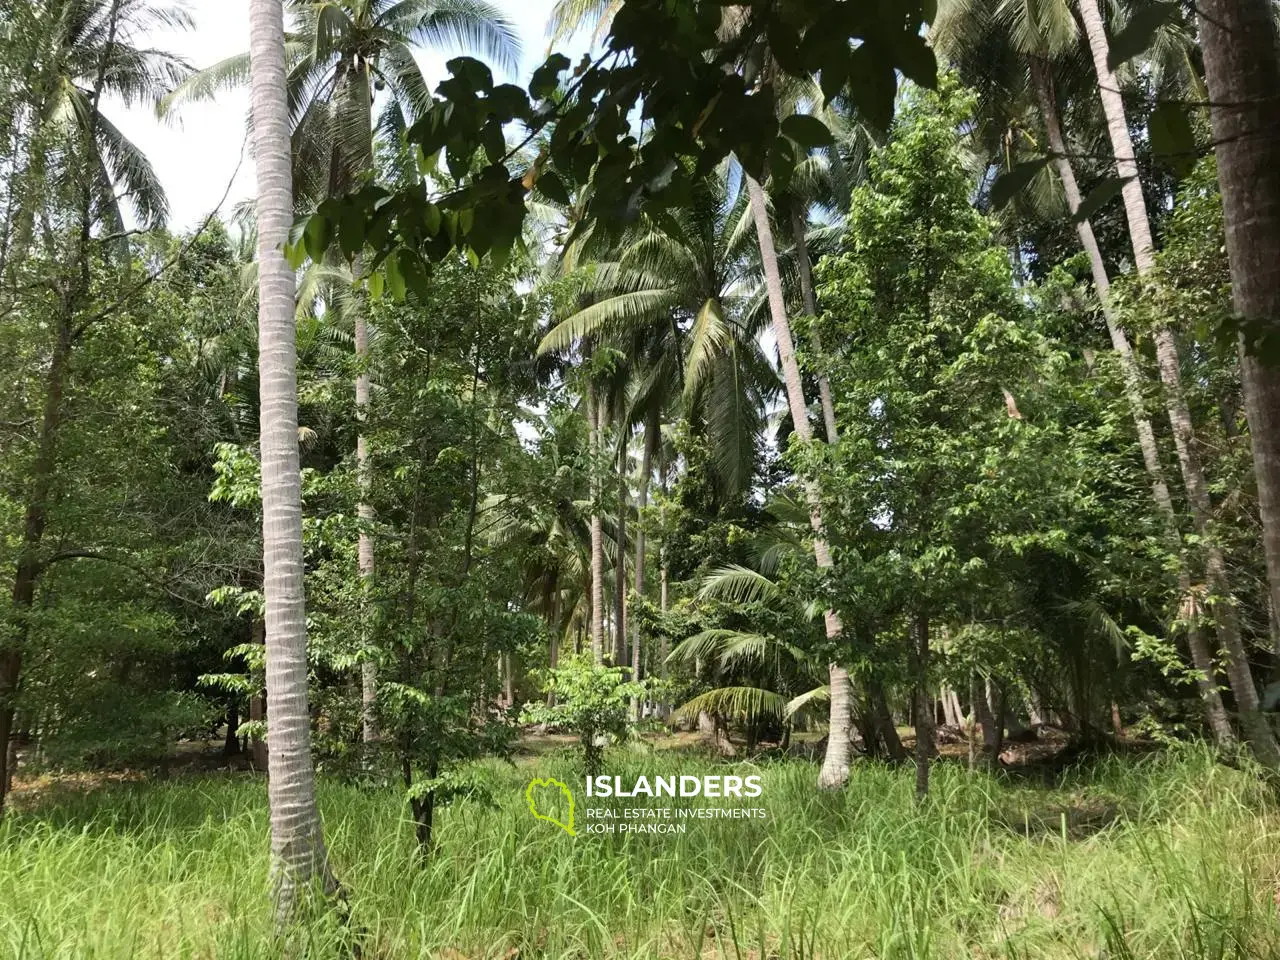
[(887, 729), (989, 721), (231, 742), (1135, 207), (924, 709), (1252, 722), (597, 531), (652, 432), (950, 716), (835, 766), (258, 704), (28, 568), (299, 859), (1201, 657), (800, 230), (1242, 72), (620, 557), (364, 509)]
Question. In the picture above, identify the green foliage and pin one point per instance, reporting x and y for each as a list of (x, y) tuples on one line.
[(1152, 857), (699, 69), (591, 700)]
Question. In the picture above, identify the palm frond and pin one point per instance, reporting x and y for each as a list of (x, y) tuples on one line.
[(743, 703), (738, 584)]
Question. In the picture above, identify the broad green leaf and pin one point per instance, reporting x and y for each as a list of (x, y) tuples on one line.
[(317, 236), (1012, 182), (1099, 197), (552, 187), (1139, 32), (807, 130), (1172, 138)]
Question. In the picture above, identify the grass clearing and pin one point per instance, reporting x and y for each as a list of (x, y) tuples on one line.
[(1164, 856)]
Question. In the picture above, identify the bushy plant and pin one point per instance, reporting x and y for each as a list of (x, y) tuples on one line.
[(592, 700)]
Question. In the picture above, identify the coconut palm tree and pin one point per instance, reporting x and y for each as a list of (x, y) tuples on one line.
[(1254, 725), (343, 53), (76, 52), (1017, 52), (572, 15), (674, 298), (1242, 71), (300, 860)]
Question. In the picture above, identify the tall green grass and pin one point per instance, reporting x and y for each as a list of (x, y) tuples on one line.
[(1170, 856)]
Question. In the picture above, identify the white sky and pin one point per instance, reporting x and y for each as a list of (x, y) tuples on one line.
[(196, 154)]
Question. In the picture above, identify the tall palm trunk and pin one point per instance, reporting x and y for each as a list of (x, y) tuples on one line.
[(620, 557), (299, 860), (364, 509), (1242, 71), (1202, 660), (800, 230), (652, 432), (835, 765), (597, 530), (1253, 723)]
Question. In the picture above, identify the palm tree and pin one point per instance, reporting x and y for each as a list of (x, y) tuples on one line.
[(76, 52), (674, 298), (1242, 71), (569, 16), (669, 304), (342, 53), (1033, 44), (1255, 727), (76, 165), (297, 844), (835, 765)]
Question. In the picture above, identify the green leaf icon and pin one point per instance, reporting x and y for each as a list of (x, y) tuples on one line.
[(533, 803)]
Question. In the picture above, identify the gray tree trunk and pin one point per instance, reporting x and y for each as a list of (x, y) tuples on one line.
[(1242, 71), (620, 557), (652, 432), (1201, 657), (800, 231), (835, 765), (924, 705), (1236, 661), (364, 471), (299, 859), (597, 531)]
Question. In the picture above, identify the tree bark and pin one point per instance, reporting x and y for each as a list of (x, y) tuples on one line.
[(924, 705), (1201, 657), (800, 231), (597, 530), (835, 766), (620, 556), (1236, 661), (884, 721), (299, 858), (652, 433), (1242, 72), (364, 510)]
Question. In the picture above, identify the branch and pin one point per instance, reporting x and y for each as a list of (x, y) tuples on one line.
[(164, 267)]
